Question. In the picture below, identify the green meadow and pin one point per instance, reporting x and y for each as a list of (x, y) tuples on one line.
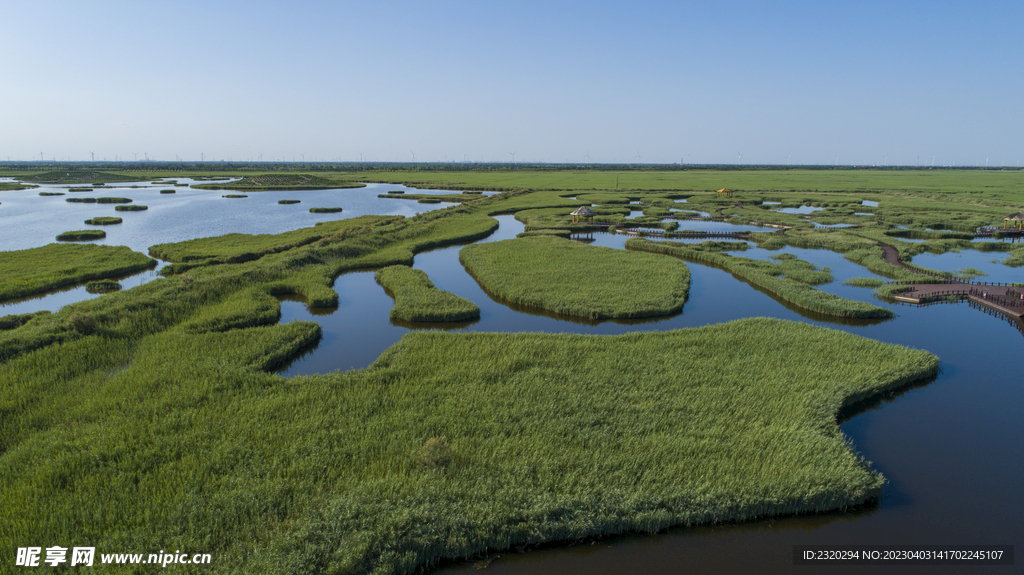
[(417, 299)]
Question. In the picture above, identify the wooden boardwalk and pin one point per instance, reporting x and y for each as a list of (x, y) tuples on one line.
[(1002, 297)]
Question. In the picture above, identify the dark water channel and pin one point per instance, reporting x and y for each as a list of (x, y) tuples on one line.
[(951, 449)]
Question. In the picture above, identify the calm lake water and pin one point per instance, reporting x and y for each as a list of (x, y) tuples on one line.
[(950, 449)]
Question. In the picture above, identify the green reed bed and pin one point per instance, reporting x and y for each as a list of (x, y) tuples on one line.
[(113, 200), (275, 182), (80, 189), (235, 196), (38, 270), (288, 202), (168, 191), (324, 210), (545, 438), (51, 193), (545, 232), (571, 278), (865, 282), (17, 320), (103, 221), (75, 176), (102, 286), (794, 287), (416, 298), (81, 236), (431, 198), (81, 200), (238, 248), (131, 208)]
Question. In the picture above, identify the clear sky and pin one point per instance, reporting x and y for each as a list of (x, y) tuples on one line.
[(700, 82)]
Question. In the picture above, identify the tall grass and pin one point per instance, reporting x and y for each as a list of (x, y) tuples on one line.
[(416, 298), (173, 440), (570, 278), (131, 208)]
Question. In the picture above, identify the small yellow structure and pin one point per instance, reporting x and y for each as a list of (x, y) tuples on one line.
[(581, 213), (1015, 221), (725, 193)]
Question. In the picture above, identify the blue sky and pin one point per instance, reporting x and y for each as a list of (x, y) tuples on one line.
[(702, 82)]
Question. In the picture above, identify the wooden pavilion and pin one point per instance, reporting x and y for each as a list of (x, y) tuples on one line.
[(725, 193), (1015, 221), (581, 213)]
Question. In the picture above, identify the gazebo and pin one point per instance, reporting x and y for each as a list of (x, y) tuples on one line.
[(1015, 221), (725, 193), (582, 212)]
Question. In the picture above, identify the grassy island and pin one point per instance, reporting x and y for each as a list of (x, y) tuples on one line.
[(81, 236), (103, 221), (571, 278), (38, 270), (76, 176), (169, 191), (51, 193), (324, 210), (237, 248), (102, 286), (794, 286), (131, 208), (280, 182), (416, 298), (288, 202)]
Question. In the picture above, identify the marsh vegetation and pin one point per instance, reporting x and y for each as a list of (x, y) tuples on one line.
[(37, 270), (418, 300), (81, 236), (570, 278)]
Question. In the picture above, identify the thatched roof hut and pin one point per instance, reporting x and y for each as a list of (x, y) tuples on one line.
[(725, 193), (1017, 219), (582, 212)]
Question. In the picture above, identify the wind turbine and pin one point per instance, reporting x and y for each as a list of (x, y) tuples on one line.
[(413, 156), (739, 158), (40, 156), (638, 156), (787, 159), (136, 154), (514, 156), (261, 157), (93, 156), (587, 156), (146, 155)]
